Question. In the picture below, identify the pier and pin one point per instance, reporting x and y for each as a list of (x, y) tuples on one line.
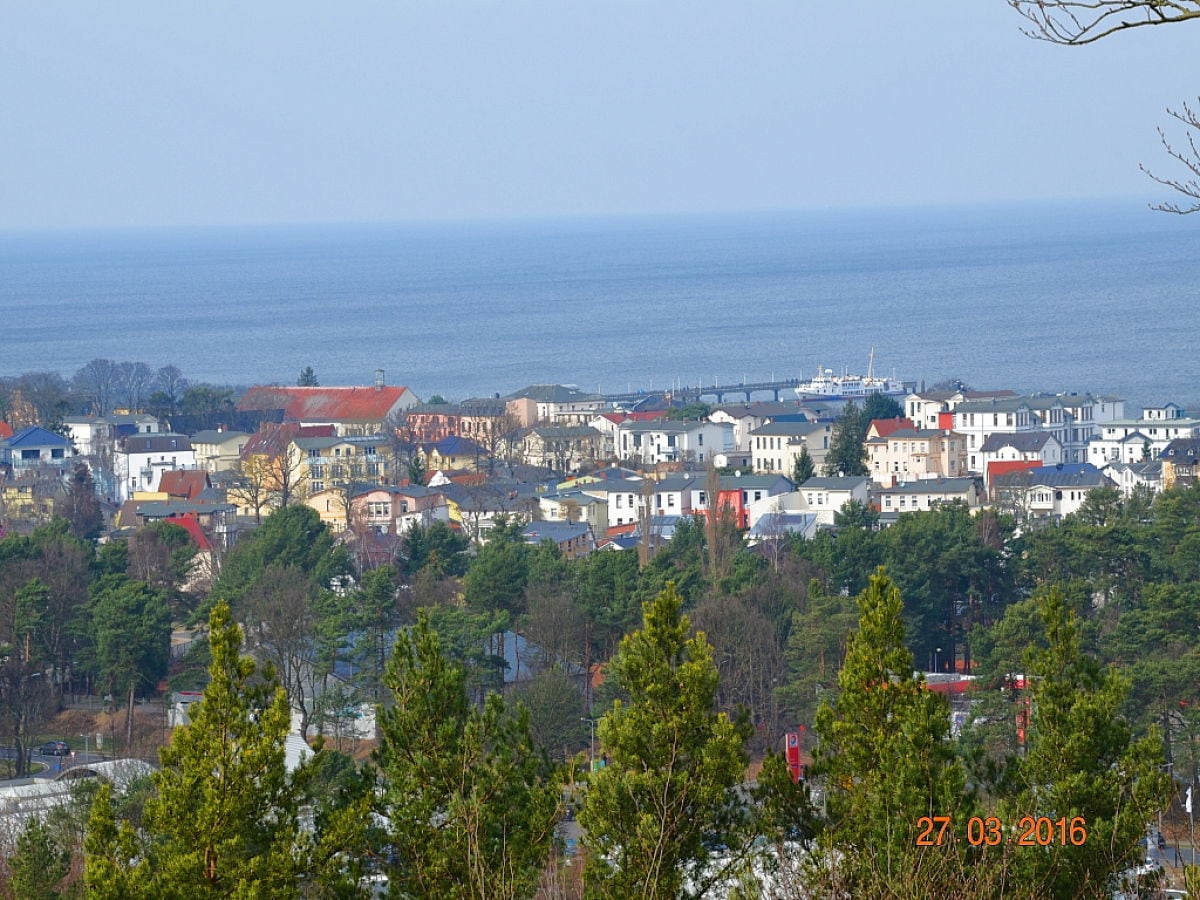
[(718, 392)]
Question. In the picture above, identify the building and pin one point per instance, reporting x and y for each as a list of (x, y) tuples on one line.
[(775, 447), (573, 539), (1034, 448), (924, 495), (554, 403), (563, 448), (1050, 492), (667, 441), (1141, 439), (824, 496), (140, 461), (35, 448), (218, 450), (909, 454), (365, 410)]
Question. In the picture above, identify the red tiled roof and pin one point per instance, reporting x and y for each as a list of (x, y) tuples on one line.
[(184, 483), (5, 430), (884, 427), (273, 438), (325, 404), (189, 523)]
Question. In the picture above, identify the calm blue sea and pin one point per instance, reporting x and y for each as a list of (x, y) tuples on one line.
[(1099, 297)]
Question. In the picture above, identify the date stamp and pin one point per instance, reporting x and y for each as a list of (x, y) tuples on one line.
[(989, 831)]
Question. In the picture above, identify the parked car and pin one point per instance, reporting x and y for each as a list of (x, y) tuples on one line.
[(54, 748)]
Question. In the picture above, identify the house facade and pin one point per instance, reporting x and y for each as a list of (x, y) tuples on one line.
[(1050, 492), (907, 454), (563, 448), (775, 447), (924, 495), (140, 461), (666, 441)]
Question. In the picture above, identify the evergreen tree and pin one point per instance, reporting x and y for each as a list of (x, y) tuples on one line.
[(307, 378), (1082, 762), (223, 820), (804, 467), (39, 864), (668, 790), (847, 455), (885, 756), (497, 577), (470, 802)]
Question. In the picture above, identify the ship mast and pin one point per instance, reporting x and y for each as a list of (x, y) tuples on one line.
[(871, 365)]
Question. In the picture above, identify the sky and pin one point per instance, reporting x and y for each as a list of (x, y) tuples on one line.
[(219, 112)]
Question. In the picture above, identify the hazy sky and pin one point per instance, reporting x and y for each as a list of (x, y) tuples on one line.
[(144, 113)]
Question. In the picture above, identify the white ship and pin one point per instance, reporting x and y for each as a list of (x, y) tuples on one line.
[(828, 385)]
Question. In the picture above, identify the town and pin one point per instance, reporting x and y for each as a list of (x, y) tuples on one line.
[(357, 533)]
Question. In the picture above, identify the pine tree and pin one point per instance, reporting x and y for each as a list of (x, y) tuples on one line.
[(39, 864), (1082, 762), (847, 455), (804, 467), (470, 802), (885, 756), (223, 819), (667, 793)]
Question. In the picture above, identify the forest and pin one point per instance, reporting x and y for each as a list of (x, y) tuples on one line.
[(654, 707)]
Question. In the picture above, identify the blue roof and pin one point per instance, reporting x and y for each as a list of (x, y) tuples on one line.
[(36, 436)]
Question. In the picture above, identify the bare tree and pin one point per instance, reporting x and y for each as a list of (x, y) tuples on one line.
[(134, 381), (250, 487), (1189, 186), (97, 381), (281, 620), (47, 393), (1075, 22)]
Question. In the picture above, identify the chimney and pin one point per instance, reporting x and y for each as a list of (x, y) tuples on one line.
[(379, 379)]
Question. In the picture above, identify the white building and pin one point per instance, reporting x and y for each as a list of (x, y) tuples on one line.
[(140, 460), (776, 446), (1141, 439), (665, 441), (1050, 492)]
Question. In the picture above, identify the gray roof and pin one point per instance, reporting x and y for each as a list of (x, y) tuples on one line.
[(756, 482), (907, 434), (1074, 475), (789, 429), (565, 432), (552, 393), (835, 482), (212, 436), (1021, 441), (665, 425), (559, 532), (154, 443), (932, 486)]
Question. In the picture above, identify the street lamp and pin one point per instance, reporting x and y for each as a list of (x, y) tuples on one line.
[(591, 743), (85, 747), (935, 659)]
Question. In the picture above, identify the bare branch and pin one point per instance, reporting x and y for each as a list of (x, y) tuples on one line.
[(1077, 22), (1190, 159)]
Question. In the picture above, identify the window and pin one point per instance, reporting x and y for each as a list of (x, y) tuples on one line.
[(758, 495), (670, 500), (701, 498), (618, 503), (318, 486), (700, 440)]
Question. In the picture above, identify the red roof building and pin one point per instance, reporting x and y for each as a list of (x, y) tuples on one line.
[(352, 410)]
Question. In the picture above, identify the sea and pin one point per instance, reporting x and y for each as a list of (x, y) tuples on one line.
[(1098, 297)]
